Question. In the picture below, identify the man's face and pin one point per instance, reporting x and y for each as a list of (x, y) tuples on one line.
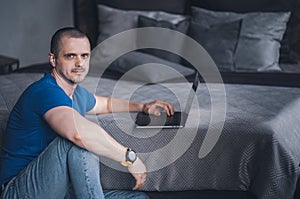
[(72, 61)]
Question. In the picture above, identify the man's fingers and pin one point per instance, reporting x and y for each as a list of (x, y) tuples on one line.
[(169, 109), (157, 112), (158, 106), (138, 171), (140, 181), (138, 185)]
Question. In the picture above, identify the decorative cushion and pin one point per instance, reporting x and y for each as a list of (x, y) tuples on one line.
[(113, 20), (152, 68), (219, 41), (287, 50), (259, 39), (181, 26)]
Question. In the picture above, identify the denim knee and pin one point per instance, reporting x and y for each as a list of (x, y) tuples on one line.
[(124, 194), (141, 195)]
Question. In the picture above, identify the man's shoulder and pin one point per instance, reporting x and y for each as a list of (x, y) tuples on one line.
[(43, 89)]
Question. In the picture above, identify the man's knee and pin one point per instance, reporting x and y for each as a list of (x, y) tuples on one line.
[(61, 143), (110, 194), (71, 149), (142, 195), (82, 157)]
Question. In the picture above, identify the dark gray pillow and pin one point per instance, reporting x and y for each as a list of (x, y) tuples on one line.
[(259, 40), (219, 41), (153, 69), (113, 21), (181, 26)]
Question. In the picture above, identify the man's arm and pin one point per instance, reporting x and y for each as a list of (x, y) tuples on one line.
[(69, 124), (109, 105)]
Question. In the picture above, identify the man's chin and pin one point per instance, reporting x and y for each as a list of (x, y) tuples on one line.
[(78, 79)]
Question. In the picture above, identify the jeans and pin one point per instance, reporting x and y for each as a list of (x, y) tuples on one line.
[(61, 167)]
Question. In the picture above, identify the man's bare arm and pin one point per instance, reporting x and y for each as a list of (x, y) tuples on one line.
[(69, 124), (109, 105)]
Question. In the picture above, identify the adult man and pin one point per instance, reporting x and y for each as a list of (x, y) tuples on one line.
[(50, 146)]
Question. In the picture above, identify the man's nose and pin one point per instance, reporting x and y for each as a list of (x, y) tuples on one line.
[(79, 61)]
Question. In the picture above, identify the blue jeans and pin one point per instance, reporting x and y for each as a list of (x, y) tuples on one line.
[(62, 167)]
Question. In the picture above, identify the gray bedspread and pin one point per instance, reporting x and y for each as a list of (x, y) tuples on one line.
[(257, 150)]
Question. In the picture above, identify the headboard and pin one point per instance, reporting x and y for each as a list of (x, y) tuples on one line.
[(86, 19), (85, 13)]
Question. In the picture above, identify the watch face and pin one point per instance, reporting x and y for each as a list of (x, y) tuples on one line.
[(131, 156)]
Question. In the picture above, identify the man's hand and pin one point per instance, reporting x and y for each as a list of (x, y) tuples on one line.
[(156, 107), (138, 170)]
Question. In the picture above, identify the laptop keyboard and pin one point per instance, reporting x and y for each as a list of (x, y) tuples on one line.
[(145, 119)]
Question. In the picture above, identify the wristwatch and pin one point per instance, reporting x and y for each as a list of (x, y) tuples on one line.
[(130, 157)]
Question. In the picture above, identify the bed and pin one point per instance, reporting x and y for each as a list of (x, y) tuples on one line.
[(242, 135)]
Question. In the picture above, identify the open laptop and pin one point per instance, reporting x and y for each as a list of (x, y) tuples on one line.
[(177, 120)]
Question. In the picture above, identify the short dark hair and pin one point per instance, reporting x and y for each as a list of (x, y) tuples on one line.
[(70, 32)]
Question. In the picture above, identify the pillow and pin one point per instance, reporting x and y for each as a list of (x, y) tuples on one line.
[(154, 69), (113, 20), (219, 41), (172, 6), (259, 40), (181, 26)]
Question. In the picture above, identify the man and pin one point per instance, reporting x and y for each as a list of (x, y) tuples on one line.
[(49, 145)]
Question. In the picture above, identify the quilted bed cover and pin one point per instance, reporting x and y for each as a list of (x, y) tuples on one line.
[(257, 148)]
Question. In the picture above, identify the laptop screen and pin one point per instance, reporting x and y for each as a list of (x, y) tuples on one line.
[(192, 93)]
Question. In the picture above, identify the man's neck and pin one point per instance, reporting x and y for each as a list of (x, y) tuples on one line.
[(67, 86)]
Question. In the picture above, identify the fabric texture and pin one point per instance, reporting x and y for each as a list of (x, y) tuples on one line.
[(219, 40), (10, 90), (27, 134), (113, 20), (287, 51), (259, 39), (258, 150), (143, 67), (65, 164), (181, 26)]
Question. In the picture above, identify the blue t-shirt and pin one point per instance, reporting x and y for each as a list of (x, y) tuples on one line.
[(27, 133)]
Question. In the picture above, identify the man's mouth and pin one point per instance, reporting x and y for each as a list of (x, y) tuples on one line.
[(78, 70)]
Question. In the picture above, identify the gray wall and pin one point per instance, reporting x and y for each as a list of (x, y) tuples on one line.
[(26, 27)]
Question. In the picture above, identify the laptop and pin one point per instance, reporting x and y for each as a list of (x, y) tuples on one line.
[(177, 120)]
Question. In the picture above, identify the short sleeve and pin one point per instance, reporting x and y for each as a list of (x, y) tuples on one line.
[(47, 98), (83, 100)]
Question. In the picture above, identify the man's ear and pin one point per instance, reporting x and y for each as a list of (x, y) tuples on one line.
[(52, 59)]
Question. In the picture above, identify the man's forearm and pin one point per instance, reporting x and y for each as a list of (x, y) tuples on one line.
[(95, 139), (109, 105), (70, 124), (118, 105)]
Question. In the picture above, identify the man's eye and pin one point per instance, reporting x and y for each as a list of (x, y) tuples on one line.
[(85, 56), (69, 56)]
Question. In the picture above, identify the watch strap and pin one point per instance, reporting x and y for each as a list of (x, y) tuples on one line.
[(128, 160)]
